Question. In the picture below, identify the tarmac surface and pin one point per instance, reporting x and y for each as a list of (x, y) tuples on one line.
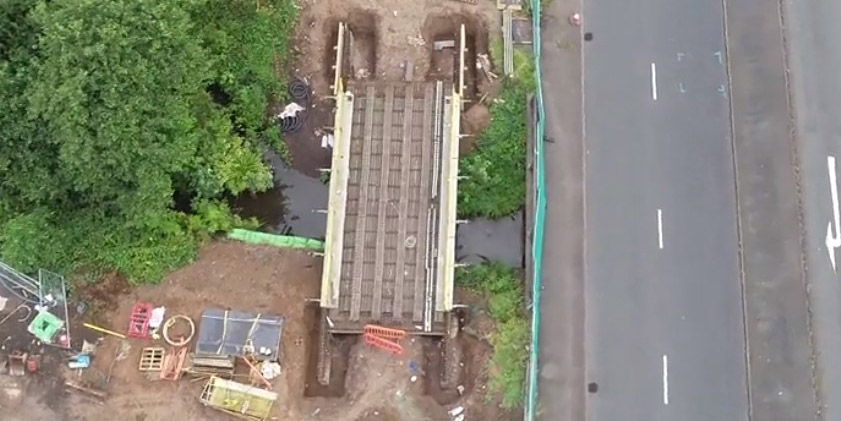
[(706, 198), (778, 329), (664, 322), (812, 33)]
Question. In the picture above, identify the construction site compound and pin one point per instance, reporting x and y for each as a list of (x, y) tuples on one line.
[(366, 325)]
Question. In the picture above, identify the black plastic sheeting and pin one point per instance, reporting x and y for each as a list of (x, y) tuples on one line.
[(229, 335), (300, 93)]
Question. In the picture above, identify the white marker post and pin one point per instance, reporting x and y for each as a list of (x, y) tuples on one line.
[(665, 379), (654, 81), (833, 241), (660, 228)]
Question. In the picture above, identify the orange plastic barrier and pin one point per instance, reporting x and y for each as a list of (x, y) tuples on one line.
[(383, 344), (385, 332), (173, 364)]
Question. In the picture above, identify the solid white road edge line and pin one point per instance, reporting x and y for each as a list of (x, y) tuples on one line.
[(660, 227), (665, 379), (654, 81), (833, 241)]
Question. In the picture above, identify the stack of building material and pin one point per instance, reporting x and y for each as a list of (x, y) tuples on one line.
[(508, 42)]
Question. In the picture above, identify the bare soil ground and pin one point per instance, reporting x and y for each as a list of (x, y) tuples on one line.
[(388, 36), (377, 385), (371, 385)]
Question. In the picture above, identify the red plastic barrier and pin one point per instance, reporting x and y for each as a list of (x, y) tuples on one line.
[(384, 344), (385, 332)]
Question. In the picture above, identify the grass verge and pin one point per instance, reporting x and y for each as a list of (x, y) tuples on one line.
[(504, 291)]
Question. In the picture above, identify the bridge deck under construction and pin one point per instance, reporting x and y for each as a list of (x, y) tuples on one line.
[(390, 241), (389, 228)]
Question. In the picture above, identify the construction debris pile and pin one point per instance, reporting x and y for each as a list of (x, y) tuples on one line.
[(236, 353), (34, 322), (42, 302)]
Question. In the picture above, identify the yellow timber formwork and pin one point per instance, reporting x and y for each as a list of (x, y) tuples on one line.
[(449, 189), (339, 171)]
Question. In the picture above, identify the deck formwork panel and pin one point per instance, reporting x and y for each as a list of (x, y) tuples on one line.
[(387, 229)]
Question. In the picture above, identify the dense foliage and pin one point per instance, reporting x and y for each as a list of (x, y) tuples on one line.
[(114, 107), (495, 183), (504, 291)]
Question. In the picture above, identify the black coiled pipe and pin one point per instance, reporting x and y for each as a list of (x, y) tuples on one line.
[(293, 124), (300, 92)]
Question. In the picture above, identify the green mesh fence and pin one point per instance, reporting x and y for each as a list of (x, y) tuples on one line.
[(530, 406), (254, 237)]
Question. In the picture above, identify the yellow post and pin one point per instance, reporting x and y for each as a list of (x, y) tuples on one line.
[(103, 330)]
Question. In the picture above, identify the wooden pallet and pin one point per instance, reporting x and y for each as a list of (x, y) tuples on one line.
[(151, 359)]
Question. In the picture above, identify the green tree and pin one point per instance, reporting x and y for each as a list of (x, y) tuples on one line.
[(243, 38), (112, 92), (108, 112)]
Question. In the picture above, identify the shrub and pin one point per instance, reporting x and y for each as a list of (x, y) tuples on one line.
[(495, 183), (507, 366)]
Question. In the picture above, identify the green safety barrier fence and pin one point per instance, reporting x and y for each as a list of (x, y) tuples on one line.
[(530, 406), (254, 237)]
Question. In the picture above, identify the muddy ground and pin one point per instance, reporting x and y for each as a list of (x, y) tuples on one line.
[(376, 385), (388, 38), (371, 385)]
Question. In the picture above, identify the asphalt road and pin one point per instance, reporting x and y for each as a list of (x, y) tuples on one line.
[(664, 322), (813, 32), (778, 328)]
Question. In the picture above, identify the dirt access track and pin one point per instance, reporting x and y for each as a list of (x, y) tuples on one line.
[(377, 385)]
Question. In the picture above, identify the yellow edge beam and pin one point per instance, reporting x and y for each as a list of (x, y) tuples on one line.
[(449, 199), (449, 191), (340, 168)]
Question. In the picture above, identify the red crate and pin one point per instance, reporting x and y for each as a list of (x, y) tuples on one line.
[(138, 326)]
